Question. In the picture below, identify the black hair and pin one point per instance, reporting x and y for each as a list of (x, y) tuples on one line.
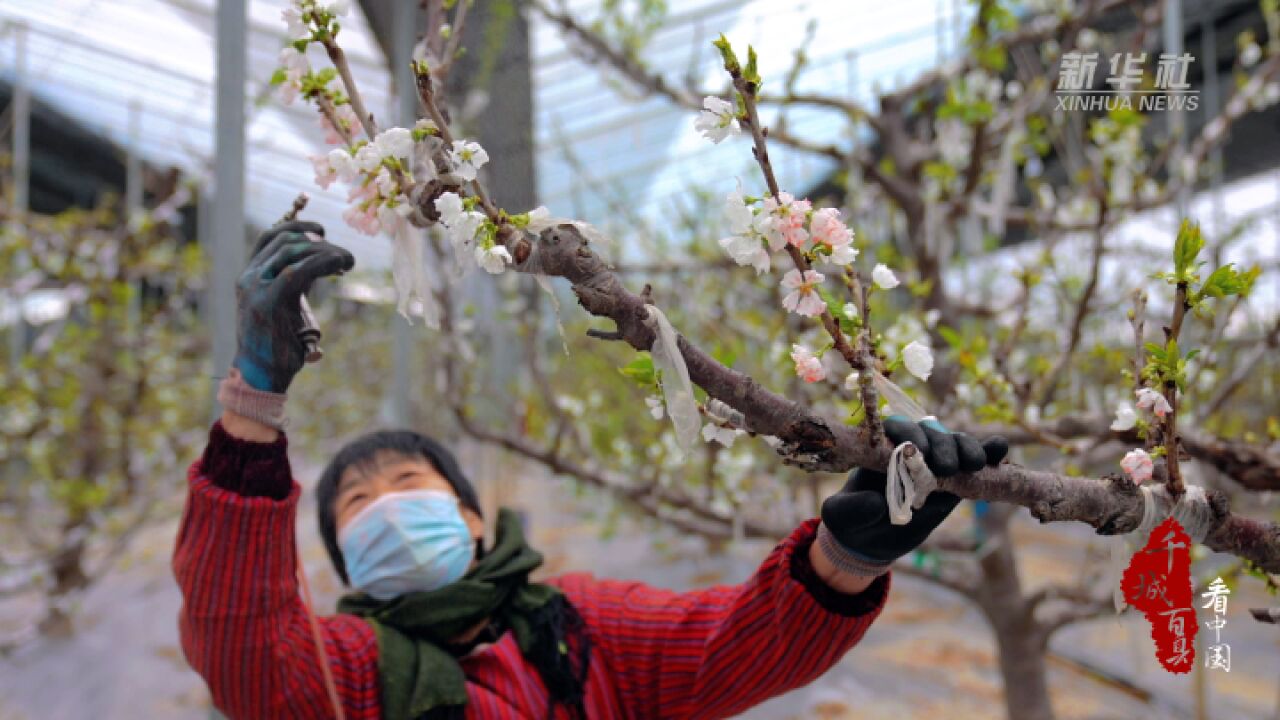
[(362, 453)]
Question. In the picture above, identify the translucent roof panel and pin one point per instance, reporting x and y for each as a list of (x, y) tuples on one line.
[(600, 141), (149, 64)]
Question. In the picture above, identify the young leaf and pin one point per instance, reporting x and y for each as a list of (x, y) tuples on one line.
[(1185, 250)]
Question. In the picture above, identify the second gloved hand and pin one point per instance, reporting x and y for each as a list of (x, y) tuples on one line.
[(856, 533), (285, 263)]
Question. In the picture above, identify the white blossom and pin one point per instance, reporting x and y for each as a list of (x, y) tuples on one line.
[(808, 365), (747, 251), (295, 27), (343, 164), (850, 311), (655, 406), (338, 7), (368, 158), (714, 433), (716, 121), (919, 359), (461, 223), (803, 298), (884, 277), (394, 142), (738, 213), (1126, 418), (539, 219), (841, 255), (1138, 464), (851, 381), (467, 157), (1250, 55), (1149, 399), (494, 260)]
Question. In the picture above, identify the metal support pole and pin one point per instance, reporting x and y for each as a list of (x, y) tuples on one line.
[(398, 401), (133, 164), (21, 180), (227, 229), (1176, 117), (1212, 102), (133, 200)]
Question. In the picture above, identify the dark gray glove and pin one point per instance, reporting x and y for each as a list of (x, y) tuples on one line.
[(858, 516), (284, 264)]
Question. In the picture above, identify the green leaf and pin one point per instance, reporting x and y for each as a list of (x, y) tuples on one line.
[(726, 54), (641, 370), (1227, 281), (751, 73), (1186, 248), (278, 77)]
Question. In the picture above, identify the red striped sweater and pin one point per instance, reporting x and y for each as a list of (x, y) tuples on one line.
[(655, 653)]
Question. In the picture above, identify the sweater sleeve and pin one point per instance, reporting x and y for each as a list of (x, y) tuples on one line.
[(715, 653), (243, 626)]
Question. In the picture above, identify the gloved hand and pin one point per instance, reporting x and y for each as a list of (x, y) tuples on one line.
[(856, 533), (268, 302)]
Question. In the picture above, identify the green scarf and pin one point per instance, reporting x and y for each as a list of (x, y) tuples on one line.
[(419, 675)]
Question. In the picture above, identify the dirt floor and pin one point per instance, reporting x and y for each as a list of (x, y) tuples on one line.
[(928, 656)]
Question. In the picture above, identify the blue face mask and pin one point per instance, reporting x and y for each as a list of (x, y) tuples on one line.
[(403, 542)]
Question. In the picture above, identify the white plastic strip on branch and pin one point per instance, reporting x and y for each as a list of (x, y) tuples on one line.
[(908, 483), (1192, 512), (676, 388)]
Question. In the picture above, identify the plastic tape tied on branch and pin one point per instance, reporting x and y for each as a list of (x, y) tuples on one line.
[(676, 388), (1192, 512), (908, 483)]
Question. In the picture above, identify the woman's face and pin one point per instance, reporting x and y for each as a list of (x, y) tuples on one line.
[(388, 473)]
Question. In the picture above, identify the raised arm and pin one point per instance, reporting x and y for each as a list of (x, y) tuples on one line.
[(243, 626), (714, 653)]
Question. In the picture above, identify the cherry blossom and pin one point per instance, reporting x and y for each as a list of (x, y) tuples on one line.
[(467, 158), (343, 164), (368, 158), (747, 251), (295, 68), (325, 174), (723, 435), (738, 213), (918, 359), (851, 381), (493, 259), (808, 366), (462, 224), (295, 27), (803, 298), (1138, 465), (884, 277), (394, 142), (363, 218), (655, 406), (716, 121), (1149, 399), (789, 217), (1126, 418)]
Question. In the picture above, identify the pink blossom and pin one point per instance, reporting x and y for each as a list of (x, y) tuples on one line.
[(803, 298), (363, 218), (1138, 464), (790, 217), (808, 366), (361, 192), (828, 230), (1149, 399), (325, 174)]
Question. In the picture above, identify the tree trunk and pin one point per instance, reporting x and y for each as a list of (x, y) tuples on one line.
[(1019, 641), (69, 576)]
